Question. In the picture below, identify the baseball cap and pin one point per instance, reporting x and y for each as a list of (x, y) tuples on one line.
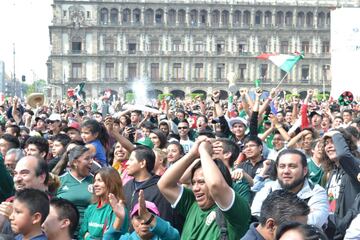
[(149, 205), (145, 141), (313, 113), (232, 121), (55, 117), (73, 125)]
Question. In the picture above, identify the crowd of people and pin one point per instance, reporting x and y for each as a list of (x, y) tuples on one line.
[(236, 168)]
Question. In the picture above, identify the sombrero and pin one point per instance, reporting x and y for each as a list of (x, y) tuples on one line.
[(35, 99)]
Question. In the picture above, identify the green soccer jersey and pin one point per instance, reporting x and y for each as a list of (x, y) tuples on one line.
[(201, 224), (243, 189), (79, 192), (315, 172), (97, 220)]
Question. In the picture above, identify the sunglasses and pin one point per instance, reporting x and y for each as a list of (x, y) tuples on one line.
[(182, 127)]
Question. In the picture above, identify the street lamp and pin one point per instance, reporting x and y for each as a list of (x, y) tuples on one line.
[(326, 67)]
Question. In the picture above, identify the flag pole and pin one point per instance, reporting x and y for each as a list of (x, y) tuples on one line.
[(278, 85)]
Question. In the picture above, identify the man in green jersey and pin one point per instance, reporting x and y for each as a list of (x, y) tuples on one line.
[(211, 196)]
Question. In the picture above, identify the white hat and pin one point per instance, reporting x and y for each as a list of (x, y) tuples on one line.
[(232, 121), (55, 117)]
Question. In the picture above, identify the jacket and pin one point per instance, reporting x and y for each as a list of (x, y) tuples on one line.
[(161, 231), (152, 194), (349, 168), (314, 195)]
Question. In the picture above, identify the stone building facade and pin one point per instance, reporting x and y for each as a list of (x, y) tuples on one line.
[(184, 46)]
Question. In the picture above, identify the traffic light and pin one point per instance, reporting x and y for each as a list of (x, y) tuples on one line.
[(23, 78)]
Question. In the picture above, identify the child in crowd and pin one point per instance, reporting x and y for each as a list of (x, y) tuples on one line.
[(62, 220), (30, 209), (96, 138)]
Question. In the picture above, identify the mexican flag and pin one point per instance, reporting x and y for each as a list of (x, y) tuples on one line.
[(77, 93), (284, 61)]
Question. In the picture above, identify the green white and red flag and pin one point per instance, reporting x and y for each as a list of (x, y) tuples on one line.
[(284, 61)]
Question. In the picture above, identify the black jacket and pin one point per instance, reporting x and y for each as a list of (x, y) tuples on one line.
[(349, 169), (152, 194)]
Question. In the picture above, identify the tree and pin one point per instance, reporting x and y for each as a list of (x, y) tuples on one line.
[(37, 86)]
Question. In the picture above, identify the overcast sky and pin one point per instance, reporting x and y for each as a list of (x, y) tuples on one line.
[(25, 23)]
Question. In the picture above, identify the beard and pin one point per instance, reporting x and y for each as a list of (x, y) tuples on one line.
[(290, 186)]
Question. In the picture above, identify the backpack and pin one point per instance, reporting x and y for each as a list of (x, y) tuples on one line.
[(221, 222)]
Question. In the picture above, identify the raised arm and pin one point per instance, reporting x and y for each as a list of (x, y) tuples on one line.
[(304, 118), (347, 160), (267, 101), (297, 138), (168, 183), (219, 190), (117, 136)]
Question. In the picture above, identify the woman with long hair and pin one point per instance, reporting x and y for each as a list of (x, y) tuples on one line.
[(158, 138), (342, 164), (76, 183), (99, 216)]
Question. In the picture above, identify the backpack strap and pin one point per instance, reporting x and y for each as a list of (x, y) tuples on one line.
[(220, 221)]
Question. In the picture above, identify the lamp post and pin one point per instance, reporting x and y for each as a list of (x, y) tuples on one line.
[(325, 69)]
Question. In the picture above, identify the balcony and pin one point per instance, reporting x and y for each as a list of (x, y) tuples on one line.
[(222, 80), (110, 79), (177, 79), (305, 81), (76, 80), (109, 52), (77, 52), (196, 79), (131, 51), (157, 79)]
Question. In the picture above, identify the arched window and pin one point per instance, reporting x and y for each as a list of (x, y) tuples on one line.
[(215, 18), (321, 19), (181, 16), (237, 18), (136, 15), (159, 16), (279, 18), (126, 16), (171, 17), (268, 18), (225, 18), (246, 18), (104, 16), (114, 16), (309, 19), (149, 16), (289, 19), (258, 18), (193, 17), (203, 17), (300, 19)]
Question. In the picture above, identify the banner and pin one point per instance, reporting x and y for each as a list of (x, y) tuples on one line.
[(345, 51)]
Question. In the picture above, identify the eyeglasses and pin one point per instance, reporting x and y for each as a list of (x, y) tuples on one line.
[(182, 128)]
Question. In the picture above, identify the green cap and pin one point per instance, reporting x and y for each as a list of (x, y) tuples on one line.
[(145, 141)]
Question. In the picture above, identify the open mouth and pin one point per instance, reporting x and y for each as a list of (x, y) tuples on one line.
[(199, 197)]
